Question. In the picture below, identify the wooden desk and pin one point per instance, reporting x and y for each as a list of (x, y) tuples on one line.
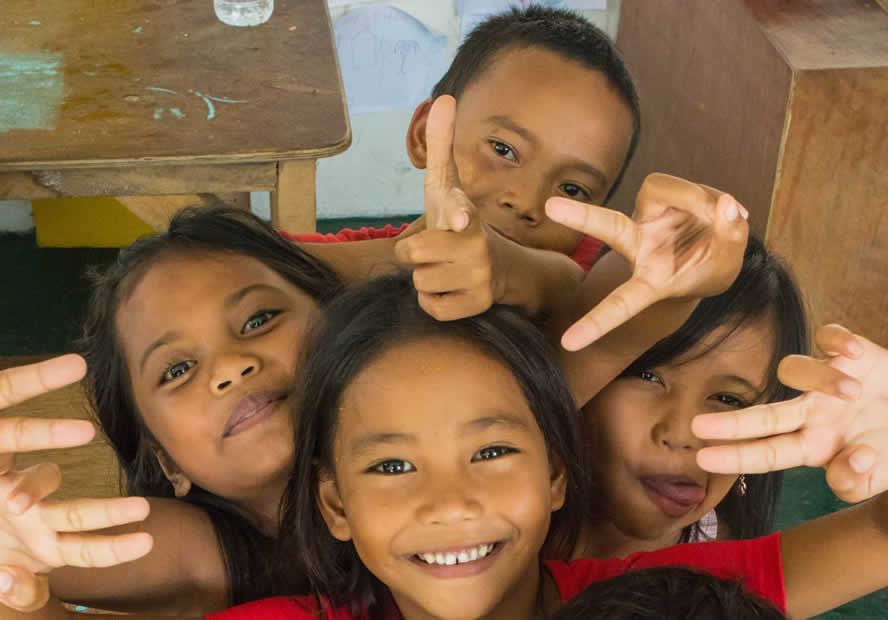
[(145, 97)]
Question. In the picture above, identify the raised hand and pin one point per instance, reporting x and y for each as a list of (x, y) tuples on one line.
[(840, 423), (452, 259), (684, 240), (37, 534)]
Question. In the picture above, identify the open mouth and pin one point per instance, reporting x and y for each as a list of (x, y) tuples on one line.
[(458, 556)]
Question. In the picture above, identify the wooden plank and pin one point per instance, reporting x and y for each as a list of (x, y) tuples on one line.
[(830, 212), (293, 204), (708, 113), (130, 181), (134, 82), (825, 34), (87, 471)]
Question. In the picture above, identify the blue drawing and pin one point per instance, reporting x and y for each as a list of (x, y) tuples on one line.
[(208, 99), (388, 58), (31, 90), (158, 113), (35, 23), (137, 30)]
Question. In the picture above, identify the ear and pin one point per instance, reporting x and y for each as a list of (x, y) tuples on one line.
[(181, 483), (332, 509), (416, 134), (558, 486)]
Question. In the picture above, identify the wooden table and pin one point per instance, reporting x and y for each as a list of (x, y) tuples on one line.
[(158, 97)]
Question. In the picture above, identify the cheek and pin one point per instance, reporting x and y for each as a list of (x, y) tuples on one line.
[(560, 238)]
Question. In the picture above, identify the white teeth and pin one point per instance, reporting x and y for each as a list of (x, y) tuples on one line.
[(458, 557)]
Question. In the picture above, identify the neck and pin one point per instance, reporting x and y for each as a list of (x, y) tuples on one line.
[(603, 540), (263, 505)]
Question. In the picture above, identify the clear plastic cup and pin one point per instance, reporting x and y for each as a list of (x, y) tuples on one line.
[(243, 12)]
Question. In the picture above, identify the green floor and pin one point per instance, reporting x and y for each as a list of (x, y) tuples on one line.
[(44, 293)]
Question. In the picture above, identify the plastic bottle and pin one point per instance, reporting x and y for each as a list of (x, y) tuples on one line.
[(243, 12)]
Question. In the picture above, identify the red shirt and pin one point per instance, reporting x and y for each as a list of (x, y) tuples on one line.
[(585, 254), (758, 562)]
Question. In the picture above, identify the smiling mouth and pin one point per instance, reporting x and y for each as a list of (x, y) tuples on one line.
[(459, 556)]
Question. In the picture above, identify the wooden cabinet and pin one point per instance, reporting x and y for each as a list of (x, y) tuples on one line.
[(785, 105)]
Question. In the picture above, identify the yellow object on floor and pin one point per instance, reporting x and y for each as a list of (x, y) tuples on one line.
[(86, 222)]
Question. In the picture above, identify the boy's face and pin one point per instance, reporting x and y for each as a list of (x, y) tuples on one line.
[(531, 126)]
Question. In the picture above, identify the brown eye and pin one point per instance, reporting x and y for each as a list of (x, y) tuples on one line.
[(258, 320), (492, 452), (503, 150), (177, 370)]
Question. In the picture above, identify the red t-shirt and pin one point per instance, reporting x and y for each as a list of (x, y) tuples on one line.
[(758, 562), (585, 254)]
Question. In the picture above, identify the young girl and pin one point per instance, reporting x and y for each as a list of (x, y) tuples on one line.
[(638, 428), (426, 490)]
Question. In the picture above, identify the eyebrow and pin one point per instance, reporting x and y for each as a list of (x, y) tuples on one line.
[(524, 132), (171, 336), (370, 440)]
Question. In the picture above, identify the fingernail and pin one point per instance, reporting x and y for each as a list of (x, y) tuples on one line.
[(731, 211), (5, 582), (849, 388), (744, 212), (861, 463), (461, 221)]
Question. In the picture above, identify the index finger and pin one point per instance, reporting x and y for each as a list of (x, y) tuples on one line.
[(753, 422), (20, 383), (441, 174)]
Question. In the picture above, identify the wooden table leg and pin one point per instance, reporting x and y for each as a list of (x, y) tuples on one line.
[(293, 204)]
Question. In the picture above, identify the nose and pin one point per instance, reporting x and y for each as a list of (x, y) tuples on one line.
[(449, 500), (526, 197), (672, 429), (231, 370)]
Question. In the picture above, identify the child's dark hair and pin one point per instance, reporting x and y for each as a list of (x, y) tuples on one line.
[(764, 289), (108, 385), (564, 32), (359, 327), (667, 593)]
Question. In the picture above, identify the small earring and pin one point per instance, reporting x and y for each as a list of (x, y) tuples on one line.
[(741, 485)]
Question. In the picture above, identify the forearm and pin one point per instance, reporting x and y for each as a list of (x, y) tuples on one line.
[(540, 281), (837, 558), (594, 366)]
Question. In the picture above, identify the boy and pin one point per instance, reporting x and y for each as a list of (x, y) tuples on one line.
[(545, 107)]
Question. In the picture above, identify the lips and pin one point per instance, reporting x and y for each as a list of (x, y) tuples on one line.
[(675, 495), (251, 410)]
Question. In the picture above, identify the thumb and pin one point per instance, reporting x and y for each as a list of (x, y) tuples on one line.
[(854, 474), (22, 590)]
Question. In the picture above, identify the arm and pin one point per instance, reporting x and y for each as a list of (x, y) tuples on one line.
[(183, 575), (835, 559)]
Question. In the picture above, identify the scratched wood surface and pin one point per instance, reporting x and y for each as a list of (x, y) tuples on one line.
[(783, 105), (87, 83), (87, 471)]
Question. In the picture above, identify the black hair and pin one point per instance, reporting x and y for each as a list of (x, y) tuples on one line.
[(359, 327), (764, 289), (108, 383), (564, 32), (667, 593)]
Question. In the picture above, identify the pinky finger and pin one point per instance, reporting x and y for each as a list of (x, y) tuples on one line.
[(25, 591), (834, 339), (100, 551)]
